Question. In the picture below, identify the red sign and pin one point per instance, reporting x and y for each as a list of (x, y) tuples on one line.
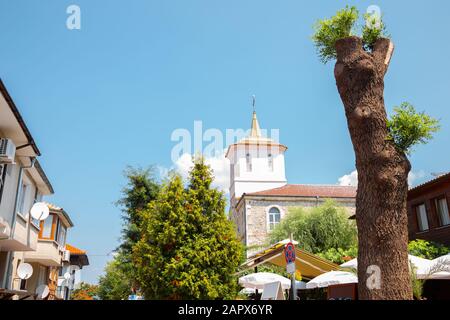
[(289, 253)]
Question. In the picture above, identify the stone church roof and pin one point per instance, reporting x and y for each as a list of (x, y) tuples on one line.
[(305, 190)]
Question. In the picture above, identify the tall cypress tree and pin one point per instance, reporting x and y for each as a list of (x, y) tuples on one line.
[(188, 249), (141, 189)]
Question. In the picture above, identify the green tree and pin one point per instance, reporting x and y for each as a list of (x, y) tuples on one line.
[(374, 28), (427, 249), (188, 249), (85, 291), (142, 188), (342, 25), (328, 31), (339, 255), (381, 162), (408, 127), (317, 229), (116, 283)]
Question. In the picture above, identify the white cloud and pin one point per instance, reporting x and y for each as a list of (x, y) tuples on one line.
[(415, 177), (351, 179), (218, 163)]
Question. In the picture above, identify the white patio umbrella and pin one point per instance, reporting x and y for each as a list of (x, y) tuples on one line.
[(441, 263), (445, 259), (331, 278), (423, 267), (300, 285), (259, 279)]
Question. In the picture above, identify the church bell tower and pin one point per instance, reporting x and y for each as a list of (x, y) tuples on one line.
[(256, 164)]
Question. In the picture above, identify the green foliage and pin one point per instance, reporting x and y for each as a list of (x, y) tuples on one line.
[(337, 255), (341, 25), (85, 291), (188, 249), (116, 284), (408, 127), (374, 28), (427, 249), (416, 284), (317, 229), (328, 31), (141, 189)]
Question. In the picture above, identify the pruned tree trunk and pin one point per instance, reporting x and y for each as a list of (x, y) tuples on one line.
[(382, 172)]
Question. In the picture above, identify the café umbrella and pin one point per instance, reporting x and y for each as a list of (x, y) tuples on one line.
[(260, 279), (332, 278), (440, 267), (424, 268)]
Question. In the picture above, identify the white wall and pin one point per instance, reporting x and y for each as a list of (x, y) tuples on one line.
[(9, 193), (262, 176)]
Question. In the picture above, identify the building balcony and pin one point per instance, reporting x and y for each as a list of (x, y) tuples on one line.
[(47, 253), (25, 236)]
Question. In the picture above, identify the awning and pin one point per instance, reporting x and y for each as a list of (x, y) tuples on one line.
[(9, 294), (308, 264)]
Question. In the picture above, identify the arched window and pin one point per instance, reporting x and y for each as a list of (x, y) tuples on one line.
[(274, 217)]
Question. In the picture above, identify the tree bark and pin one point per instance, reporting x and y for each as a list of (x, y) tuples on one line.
[(382, 171)]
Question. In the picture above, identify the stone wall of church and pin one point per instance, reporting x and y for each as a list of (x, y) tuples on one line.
[(257, 215), (238, 218)]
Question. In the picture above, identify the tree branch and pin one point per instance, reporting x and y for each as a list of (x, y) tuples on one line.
[(382, 53)]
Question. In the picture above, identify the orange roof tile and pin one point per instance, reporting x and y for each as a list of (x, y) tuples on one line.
[(304, 190), (75, 251)]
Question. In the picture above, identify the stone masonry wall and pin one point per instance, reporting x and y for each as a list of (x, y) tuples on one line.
[(257, 217)]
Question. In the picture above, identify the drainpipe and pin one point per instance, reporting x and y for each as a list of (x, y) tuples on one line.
[(8, 270)]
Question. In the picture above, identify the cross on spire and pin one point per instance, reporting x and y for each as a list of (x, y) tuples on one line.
[(255, 131), (254, 102)]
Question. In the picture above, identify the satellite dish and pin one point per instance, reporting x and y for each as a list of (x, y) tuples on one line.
[(67, 276), (40, 211), (42, 291), (24, 271)]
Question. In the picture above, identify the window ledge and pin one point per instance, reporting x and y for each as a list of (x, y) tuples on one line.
[(49, 240), (443, 227), (35, 226), (21, 216)]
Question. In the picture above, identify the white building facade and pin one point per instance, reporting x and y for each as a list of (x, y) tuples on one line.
[(24, 240)]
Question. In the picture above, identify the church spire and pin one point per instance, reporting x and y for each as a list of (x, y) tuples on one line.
[(255, 131)]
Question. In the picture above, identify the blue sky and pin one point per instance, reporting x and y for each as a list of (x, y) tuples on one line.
[(110, 94)]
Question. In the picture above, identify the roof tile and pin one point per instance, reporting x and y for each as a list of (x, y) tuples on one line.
[(305, 190)]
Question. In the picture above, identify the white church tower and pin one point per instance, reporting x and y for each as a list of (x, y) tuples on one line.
[(256, 164)]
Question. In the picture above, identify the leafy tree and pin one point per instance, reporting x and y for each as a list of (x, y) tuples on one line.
[(342, 25), (408, 127), (339, 255), (141, 189), (85, 291), (188, 249), (374, 28), (383, 167), (116, 283), (328, 31), (317, 229), (427, 249)]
